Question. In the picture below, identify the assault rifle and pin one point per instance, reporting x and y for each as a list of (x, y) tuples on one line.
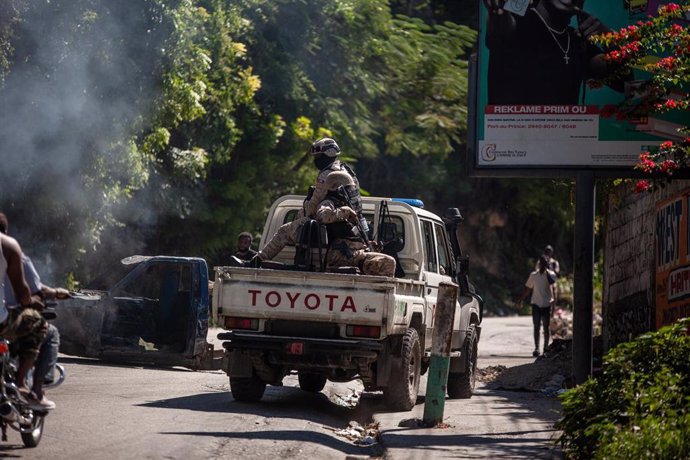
[(360, 228)]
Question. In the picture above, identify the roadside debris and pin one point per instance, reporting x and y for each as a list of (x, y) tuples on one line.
[(489, 374), (350, 401), (419, 423), (360, 435), (550, 373)]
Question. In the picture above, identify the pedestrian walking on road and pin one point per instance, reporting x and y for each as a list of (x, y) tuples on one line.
[(542, 284)]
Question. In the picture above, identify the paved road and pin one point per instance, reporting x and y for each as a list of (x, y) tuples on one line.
[(125, 412), (493, 424)]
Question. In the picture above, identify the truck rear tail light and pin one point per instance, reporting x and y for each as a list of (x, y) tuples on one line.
[(364, 331), (241, 323)]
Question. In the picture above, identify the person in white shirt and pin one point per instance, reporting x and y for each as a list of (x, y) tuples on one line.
[(542, 284)]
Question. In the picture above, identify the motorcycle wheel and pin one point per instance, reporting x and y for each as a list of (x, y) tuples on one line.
[(32, 438), (59, 375)]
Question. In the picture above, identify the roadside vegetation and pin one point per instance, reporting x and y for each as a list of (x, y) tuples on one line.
[(169, 126), (639, 407)]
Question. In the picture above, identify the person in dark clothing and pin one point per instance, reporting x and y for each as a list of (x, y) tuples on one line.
[(244, 250), (538, 58)]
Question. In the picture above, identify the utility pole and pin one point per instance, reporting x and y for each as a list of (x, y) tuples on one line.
[(439, 364)]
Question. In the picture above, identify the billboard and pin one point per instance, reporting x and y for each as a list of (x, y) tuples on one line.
[(672, 261), (532, 105)]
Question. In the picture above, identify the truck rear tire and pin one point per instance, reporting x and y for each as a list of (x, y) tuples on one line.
[(403, 387), (461, 385), (247, 389), (313, 383)]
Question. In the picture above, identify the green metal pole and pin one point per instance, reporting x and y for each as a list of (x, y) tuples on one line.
[(439, 364)]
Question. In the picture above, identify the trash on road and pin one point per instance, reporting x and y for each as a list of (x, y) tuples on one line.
[(360, 435)]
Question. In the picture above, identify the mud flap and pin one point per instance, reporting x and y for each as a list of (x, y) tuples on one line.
[(383, 366), (457, 364), (239, 364)]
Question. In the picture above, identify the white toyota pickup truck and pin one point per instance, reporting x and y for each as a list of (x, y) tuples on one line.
[(332, 323)]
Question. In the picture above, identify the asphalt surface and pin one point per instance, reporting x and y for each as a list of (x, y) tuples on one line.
[(125, 412), (492, 424)]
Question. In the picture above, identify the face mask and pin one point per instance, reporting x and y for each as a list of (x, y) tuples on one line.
[(322, 161)]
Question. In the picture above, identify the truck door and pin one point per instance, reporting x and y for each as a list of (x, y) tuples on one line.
[(437, 262), (151, 309)]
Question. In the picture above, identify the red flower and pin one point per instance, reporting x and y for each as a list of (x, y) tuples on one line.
[(670, 8), (676, 29), (667, 63), (668, 166), (666, 145), (642, 186), (646, 164), (671, 104)]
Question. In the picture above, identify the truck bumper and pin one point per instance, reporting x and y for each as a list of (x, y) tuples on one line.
[(298, 346), (271, 357)]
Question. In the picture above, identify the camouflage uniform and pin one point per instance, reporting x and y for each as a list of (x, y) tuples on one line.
[(286, 234), (289, 233), (352, 251)]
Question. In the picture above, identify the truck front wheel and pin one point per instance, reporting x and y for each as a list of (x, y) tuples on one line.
[(461, 385), (247, 389), (311, 382), (403, 387)]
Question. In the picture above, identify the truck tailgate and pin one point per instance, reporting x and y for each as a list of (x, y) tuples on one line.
[(295, 295)]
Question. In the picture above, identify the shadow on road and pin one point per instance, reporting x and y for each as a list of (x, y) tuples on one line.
[(296, 435), (279, 402)]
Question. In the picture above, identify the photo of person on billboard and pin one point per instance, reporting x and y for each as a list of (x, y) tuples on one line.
[(536, 57)]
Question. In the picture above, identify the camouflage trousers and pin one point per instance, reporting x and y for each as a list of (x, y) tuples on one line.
[(286, 234), (26, 329), (371, 263)]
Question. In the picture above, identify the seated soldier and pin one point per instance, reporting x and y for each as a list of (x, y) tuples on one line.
[(325, 153), (348, 246)]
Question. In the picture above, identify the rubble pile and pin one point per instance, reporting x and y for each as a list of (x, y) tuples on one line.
[(490, 373), (550, 372), (561, 325), (360, 435)]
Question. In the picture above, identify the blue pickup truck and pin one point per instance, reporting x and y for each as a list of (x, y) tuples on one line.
[(146, 309)]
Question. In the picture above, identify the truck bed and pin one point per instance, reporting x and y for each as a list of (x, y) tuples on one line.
[(308, 296)]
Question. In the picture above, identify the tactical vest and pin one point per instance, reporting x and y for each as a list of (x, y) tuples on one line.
[(353, 192), (341, 230)]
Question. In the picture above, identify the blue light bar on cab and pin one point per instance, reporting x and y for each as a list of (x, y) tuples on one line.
[(411, 201)]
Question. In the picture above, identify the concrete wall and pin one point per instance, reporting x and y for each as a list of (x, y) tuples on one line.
[(628, 297)]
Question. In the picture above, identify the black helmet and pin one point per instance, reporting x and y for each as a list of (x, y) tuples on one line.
[(325, 146)]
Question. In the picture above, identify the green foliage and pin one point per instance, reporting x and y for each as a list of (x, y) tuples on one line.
[(659, 47), (424, 110), (161, 126), (639, 407)]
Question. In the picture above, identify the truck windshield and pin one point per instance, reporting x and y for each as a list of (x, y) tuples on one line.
[(109, 277)]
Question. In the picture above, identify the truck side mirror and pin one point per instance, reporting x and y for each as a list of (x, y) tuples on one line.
[(452, 216)]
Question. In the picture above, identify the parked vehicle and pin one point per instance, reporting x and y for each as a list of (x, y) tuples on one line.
[(146, 309), (331, 323)]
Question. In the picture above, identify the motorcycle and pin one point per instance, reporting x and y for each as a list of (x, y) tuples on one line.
[(15, 410)]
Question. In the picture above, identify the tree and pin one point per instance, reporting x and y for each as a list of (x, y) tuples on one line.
[(665, 90)]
